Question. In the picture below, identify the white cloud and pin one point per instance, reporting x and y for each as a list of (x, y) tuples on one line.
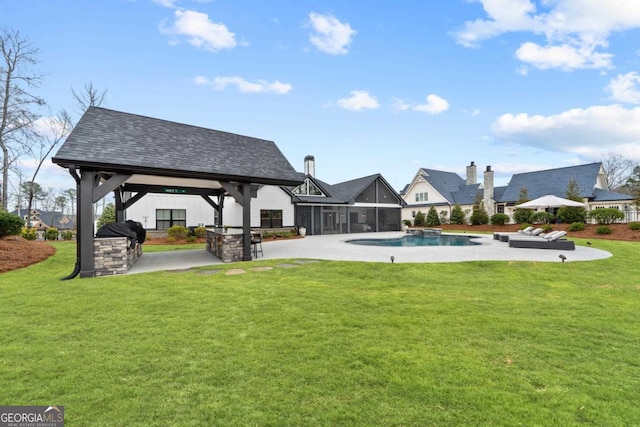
[(574, 30), (244, 86), (166, 3), (434, 105), (358, 101), (505, 16), (400, 105), (564, 57), (589, 132), (201, 31), (50, 127), (330, 35), (625, 88)]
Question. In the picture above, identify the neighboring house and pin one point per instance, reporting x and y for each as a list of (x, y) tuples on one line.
[(42, 220), (359, 205), (443, 190)]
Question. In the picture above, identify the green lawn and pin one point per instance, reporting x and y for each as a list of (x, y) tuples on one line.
[(329, 343)]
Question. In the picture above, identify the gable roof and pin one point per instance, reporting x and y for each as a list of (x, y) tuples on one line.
[(451, 186), (553, 181), (344, 192), (113, 141)]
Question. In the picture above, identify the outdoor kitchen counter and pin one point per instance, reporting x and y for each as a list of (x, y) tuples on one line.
[(226, 244)]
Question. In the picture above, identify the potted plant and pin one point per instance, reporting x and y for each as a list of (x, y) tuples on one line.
[(302, 231)]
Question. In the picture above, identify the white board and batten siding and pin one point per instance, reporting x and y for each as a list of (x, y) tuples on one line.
[(197, 210), (269, 198), (200, 212)]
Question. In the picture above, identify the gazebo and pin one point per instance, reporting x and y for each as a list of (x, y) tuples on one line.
[(111, 151)]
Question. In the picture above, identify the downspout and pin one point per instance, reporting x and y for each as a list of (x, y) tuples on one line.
[(76, 270)]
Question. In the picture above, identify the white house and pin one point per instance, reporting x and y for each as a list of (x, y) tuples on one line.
[(443, 190)]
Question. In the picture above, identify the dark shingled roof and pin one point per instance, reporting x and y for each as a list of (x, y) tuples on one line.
[(343, 192), (600, 195), (553, 181), (113, 141), (451, 186), (540, 183)]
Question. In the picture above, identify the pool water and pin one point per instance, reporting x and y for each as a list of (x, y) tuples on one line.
[(411, 240)]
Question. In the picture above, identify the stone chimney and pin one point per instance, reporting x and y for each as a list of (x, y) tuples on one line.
[(310, 166), (488, 191), (472, 174)]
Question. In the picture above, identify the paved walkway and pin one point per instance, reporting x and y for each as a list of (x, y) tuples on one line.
[(334, 247)]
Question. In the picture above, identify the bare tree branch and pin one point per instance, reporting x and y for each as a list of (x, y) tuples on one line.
[(50, 135), (90, 96), (16, 101), (618, 169)]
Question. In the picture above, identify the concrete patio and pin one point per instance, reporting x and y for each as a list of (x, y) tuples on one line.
[(334, 247)]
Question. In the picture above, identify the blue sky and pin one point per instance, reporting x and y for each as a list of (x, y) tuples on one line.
[(366, 87)]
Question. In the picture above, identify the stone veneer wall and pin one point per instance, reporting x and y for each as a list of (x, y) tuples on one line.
[(112, 255), (226, 246)]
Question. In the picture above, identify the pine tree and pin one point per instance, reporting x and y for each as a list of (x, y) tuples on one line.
[(433, 219)]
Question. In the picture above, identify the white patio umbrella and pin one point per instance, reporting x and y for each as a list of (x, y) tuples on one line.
[(549, 201)]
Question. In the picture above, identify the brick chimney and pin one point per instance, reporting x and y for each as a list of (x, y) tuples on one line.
[(488, 191), (472, 174), (310, 166)]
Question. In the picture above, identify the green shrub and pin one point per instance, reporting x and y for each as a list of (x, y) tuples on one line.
[(457, 216), (433, 219), (407, 222), (525, 225), (178, 232), (443, 217), (200, 232), (571, 214), (634, 226), (603, 229), (479, 216), (520, 216), (546, 228), (67, 235), (606, 216), (108, 215), (499, 219), (541, 218), (577, 226), (29, 233), (51, 234), (192, 239), (420, 219), (10, 225)]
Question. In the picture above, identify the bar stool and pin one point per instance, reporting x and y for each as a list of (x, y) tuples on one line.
[(256, 243)]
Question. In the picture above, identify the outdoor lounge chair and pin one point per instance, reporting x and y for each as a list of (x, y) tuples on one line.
[(529, 231), (497, 234), (533, 233), (552, 240)]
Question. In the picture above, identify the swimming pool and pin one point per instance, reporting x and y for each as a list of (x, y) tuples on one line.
[(411, 240)]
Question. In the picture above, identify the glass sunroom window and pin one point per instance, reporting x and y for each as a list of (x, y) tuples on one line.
[(307, 188)]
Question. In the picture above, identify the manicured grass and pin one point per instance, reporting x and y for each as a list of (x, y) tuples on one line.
[(329, 343)]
